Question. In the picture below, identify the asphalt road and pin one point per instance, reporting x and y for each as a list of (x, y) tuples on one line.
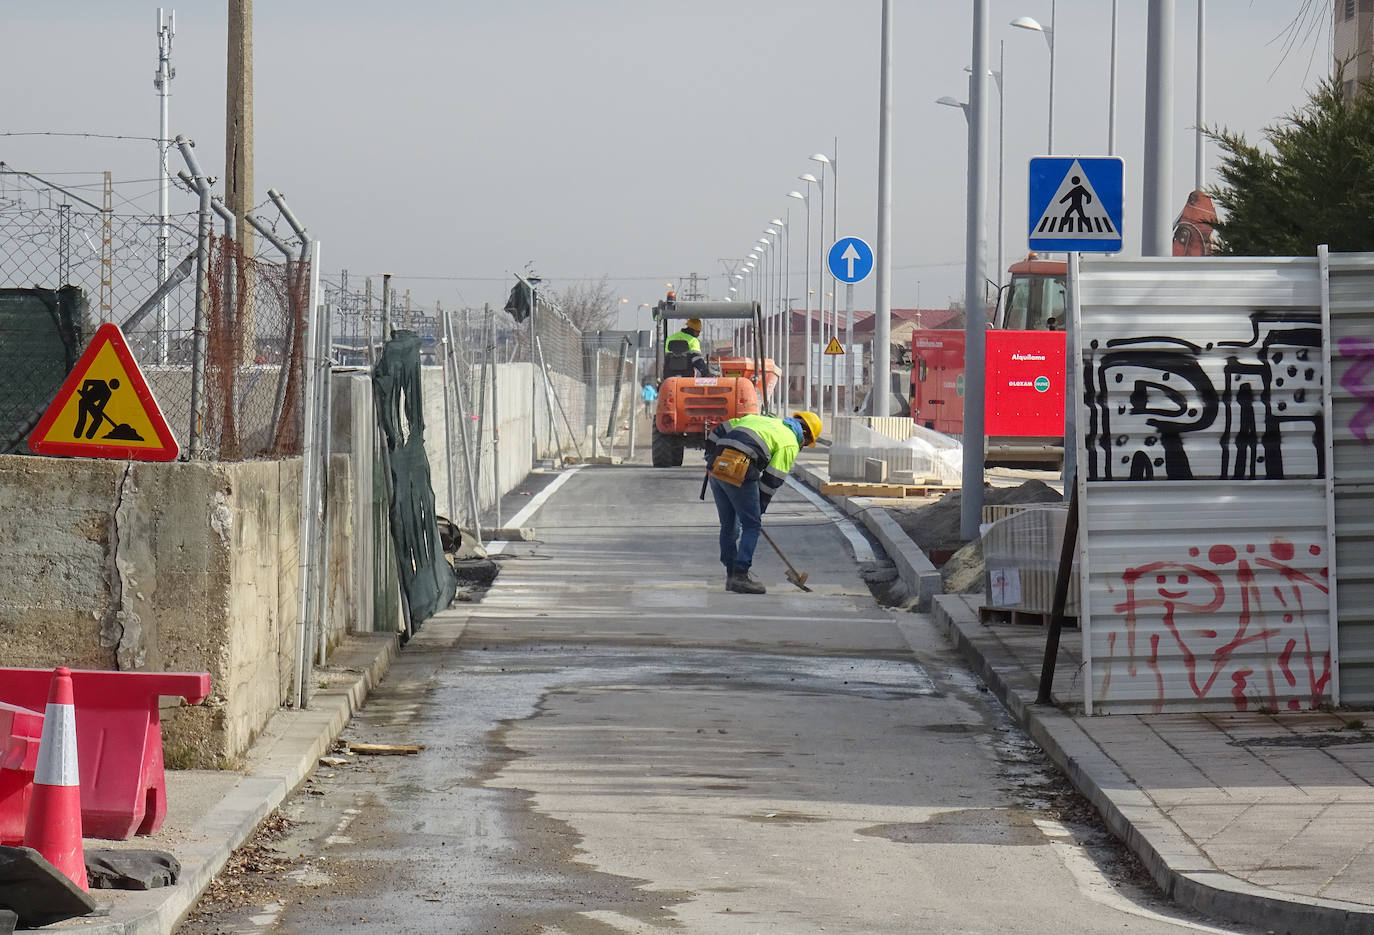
[(614, 744)]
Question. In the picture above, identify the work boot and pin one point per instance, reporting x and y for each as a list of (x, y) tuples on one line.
[(741, 582)]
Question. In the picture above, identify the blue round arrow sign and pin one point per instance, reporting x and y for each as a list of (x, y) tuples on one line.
[(850, 260)]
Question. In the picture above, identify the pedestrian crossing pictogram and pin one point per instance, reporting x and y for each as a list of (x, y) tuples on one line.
[(1075, 204), (105, 409), (834, 347)]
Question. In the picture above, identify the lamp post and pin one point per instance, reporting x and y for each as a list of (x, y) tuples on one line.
[(1111, 91), (882, 253), (820, 293), (766, 286), (1026, 22), (825, 160), (806, 304), (975, 312), (771, 294), (1199, 165), (738, 278), (771, 314), (785, 306), (1001, 147)]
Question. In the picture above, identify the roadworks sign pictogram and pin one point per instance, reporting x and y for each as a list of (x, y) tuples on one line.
[(105, 409), (834, 347)]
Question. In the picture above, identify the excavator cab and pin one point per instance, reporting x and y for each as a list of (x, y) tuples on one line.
[(690, 403)]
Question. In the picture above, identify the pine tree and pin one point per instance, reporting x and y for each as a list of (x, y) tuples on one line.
[(1314, 184)]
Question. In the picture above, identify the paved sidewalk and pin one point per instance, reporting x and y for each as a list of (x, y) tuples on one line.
[(211, 812), (1263, 819)]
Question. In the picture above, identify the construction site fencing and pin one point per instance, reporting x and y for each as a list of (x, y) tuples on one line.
[(68, 265)]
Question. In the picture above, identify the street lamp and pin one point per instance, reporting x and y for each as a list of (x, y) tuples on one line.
[(806, 301), (1026, 22), (825, 160), (785, 306), (768, 286), (810, 179)]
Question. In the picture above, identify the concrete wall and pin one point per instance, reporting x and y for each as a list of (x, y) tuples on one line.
[(519, 411), (178, 567)]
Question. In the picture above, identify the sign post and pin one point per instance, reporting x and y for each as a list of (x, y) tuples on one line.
[(850, 260), (1075, 205)]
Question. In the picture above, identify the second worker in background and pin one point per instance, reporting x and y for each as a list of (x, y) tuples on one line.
[(748, 460)]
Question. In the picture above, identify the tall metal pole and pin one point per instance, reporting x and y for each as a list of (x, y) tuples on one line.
[(1156, 229), (1111, 90), (1052, 38), (849, 348), (1001, 148), (198, 333), (447, 369), (162, 81), (1199, 144), (495, 423), (806, 310), (975, 312), (834, 283), (882, 261), (787, 314), (820, 299)]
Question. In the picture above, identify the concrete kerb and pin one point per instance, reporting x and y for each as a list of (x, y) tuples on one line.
[(919, 577), (285, 754), (1185, 874)]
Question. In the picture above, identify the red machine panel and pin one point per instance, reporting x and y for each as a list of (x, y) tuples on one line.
[(937, 380), (1025, 383)]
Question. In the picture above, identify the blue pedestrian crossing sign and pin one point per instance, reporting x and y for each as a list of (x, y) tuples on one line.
[(850, 260), (1075, 203)]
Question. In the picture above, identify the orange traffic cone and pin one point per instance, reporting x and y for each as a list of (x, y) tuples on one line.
[(53, 827)]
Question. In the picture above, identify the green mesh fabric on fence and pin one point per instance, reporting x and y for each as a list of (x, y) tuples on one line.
[(41, 337), (426, 576)]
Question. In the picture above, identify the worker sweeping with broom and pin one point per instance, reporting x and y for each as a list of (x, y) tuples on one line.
[(747, 461)]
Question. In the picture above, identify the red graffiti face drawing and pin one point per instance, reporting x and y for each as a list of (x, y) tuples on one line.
[(1263, 605)]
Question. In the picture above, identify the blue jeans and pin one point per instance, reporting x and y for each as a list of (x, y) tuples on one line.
[(740, 520)]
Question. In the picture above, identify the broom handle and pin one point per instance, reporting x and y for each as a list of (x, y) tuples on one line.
[(765, 535)]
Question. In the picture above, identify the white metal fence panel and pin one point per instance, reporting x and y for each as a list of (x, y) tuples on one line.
[(1352, 418), (1204, 536)]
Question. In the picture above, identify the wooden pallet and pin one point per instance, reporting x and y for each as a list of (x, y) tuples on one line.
[(992, 615), (892, 491)]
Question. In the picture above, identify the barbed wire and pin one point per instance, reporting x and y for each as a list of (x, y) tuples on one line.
[(95, 136)]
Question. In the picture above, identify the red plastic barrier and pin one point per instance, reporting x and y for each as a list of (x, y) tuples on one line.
[(118, 740), (20, 731)]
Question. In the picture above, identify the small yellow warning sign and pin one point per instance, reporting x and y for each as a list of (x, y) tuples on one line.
[(834, 346), (105, 409)]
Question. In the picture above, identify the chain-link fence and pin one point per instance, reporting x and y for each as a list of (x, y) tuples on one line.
[(255, 354), (68, 265)]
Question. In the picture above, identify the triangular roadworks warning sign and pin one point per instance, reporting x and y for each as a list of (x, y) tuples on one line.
[(1075, 212), (834, 346), (105, 409)]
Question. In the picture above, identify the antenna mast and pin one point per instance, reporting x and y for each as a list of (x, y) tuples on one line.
[(162, 80)]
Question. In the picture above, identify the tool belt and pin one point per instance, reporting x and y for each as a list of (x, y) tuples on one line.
[(731, 466)]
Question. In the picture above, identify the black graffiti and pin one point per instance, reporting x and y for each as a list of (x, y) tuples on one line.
[(1165, 408)]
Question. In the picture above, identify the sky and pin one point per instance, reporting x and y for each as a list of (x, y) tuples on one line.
[(453, 144)]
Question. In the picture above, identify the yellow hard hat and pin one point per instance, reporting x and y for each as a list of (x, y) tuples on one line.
[(693, 323), (812, 423)]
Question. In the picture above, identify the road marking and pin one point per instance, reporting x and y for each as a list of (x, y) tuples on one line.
[(863, 552), (519, 519)]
